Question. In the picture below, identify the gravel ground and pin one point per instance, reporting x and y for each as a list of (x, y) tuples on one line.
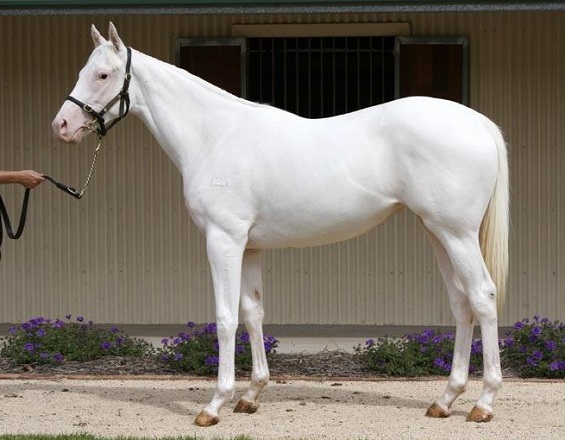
[(327, 395), (157, 406)]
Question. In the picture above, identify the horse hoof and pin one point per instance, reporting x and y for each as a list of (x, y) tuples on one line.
[(204, 419), (437, 412), (479, 415), (244, 406)]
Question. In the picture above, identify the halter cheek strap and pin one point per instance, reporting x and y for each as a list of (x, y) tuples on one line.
[(122, 97)]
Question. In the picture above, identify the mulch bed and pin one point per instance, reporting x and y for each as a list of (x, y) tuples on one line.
[(325, 364)]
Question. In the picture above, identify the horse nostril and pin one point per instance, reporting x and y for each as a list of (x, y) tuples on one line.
[(61, 126)]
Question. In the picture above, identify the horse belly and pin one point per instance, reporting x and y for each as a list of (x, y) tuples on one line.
[(305, 226)]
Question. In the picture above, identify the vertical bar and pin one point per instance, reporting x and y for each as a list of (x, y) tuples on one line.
[(383, 85), (321, 79), (273, 73), (371, 40), (285, 75), (309, 77), (345, 76), (297, 76), (358, 72), (333, 78)]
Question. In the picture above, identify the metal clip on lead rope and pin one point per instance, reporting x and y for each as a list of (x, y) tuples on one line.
[(73, 192)]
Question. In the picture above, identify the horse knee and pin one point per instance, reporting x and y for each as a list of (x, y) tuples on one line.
[(483, 303)]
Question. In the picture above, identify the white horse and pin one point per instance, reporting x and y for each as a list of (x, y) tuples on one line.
[(256, 177)]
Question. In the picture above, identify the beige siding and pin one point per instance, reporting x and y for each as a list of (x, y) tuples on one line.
[(128, 253)]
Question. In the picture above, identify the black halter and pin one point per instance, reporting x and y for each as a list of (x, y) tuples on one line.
[(122, 97)]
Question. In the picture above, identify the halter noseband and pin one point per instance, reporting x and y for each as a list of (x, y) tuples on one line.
[(122, 97)]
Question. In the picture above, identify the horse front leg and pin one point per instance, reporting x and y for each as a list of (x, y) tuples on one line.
[(225, 253), (253, 313)]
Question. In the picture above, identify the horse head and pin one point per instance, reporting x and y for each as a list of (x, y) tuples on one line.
[(102, 84)]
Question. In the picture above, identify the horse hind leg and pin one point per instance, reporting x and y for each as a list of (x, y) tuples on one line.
[(253, 313), (463, 314), (463, 251)]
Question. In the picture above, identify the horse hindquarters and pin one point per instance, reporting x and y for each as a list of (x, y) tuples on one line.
[(466, 267)]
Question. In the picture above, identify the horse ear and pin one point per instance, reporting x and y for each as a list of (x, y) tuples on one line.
[(96, 37), (115, 38)]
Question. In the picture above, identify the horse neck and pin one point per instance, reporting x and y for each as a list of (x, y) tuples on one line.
[(181, 110)]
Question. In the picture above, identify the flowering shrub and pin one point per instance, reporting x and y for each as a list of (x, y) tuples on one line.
[(535, 348), (420, 354), (531, 349), (196, 351), (44, 341)]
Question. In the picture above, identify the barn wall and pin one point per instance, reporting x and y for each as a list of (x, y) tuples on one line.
[(128, 253)]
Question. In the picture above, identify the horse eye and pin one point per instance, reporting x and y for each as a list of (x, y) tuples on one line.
[(103, 76)]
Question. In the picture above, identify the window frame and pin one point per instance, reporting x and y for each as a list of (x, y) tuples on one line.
[(462, 41), (227, 41)]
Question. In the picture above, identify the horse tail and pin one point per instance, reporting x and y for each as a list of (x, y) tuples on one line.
[(495, 225)]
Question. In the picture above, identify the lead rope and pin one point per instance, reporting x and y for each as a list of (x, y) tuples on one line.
[(87, 182), (5, 218)]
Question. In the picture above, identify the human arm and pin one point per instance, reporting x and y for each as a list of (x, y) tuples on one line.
[(27, 178)]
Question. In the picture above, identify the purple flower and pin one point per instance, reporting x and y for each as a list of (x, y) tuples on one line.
[(26, 326), (58, 357), (80, 318), (244, 337), (120, 341), (239, 349), (12, 330), (44, 355), (40, 333), (519, 325), (210, 328), (212, 360), (29, 347), (165, 341), (477, 346), (441, 364), (536, 331), (550, 345), (68, 316), (106, 345), (538, 355), (270, 342), (177, 341), (554, 366), (178, 356), (190, 324), (58, 324)]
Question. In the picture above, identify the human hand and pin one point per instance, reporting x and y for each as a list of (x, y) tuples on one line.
[(29, 178)]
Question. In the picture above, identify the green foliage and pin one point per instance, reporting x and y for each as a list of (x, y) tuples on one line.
[(44, 341), (531, 349), (428, 353), (535, 348), (196, 351)]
